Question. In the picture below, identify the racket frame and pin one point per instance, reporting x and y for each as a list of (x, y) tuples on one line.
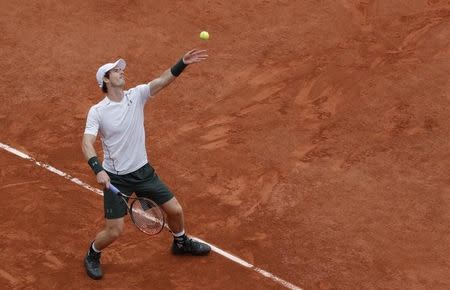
[(116, 191)]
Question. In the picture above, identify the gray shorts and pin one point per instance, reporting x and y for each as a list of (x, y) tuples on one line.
[(144, 182)]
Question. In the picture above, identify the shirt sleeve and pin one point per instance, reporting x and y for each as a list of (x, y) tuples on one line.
[(92, 122), (143, 92)]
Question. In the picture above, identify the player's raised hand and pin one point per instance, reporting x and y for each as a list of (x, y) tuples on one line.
[(194, 56)]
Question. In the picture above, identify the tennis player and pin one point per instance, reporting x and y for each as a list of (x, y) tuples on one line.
[(119, 118)]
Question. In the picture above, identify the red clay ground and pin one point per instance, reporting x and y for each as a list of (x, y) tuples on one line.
[(313, 143)]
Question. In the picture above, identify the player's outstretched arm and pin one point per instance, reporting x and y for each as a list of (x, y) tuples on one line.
[(192, 56)]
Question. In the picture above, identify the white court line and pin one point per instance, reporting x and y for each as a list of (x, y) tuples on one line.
[(99, 192)]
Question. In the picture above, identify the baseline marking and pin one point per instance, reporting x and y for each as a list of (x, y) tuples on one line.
[(99, 192)]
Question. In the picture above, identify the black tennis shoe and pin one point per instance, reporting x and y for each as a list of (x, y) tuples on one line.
[(92, 265), (190, 247)]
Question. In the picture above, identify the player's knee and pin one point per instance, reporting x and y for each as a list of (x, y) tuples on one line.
[(179, 210), (115, 231), (176, 210)]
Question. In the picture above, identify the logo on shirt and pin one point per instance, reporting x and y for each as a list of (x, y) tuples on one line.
[(129, 101)]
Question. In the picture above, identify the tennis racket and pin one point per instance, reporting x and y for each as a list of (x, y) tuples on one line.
[(146, 215)]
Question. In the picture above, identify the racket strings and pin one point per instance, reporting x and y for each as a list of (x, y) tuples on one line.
[(147, 216)]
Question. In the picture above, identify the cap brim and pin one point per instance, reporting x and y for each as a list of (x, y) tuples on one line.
[(120, 63)]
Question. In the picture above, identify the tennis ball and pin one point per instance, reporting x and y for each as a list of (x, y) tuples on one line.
[(204, 35)]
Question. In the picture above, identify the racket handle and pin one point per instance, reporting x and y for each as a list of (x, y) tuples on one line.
[(114, 189)]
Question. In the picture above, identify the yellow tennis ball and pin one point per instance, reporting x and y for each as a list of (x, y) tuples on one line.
[(204, 35)]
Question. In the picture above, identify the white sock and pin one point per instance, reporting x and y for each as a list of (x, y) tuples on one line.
[(93, 248), (180, 234)]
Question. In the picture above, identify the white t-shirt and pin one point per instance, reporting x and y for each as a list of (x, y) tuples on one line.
[(121, 125)]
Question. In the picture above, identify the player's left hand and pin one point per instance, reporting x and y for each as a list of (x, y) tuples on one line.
[(194, 56)]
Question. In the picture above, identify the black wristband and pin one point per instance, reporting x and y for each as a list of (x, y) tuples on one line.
[(95, 165), (178, 68)]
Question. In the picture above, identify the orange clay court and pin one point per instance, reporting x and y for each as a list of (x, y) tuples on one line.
[(313, 143)]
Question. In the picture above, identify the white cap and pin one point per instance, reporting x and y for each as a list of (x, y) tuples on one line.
[(120, 63)]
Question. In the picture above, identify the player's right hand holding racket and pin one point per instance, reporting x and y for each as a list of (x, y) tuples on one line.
[(144, 212), (103, 178)]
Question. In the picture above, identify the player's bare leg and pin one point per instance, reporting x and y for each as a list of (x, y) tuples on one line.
[(175, 217), (113, 229), (182, 244)]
